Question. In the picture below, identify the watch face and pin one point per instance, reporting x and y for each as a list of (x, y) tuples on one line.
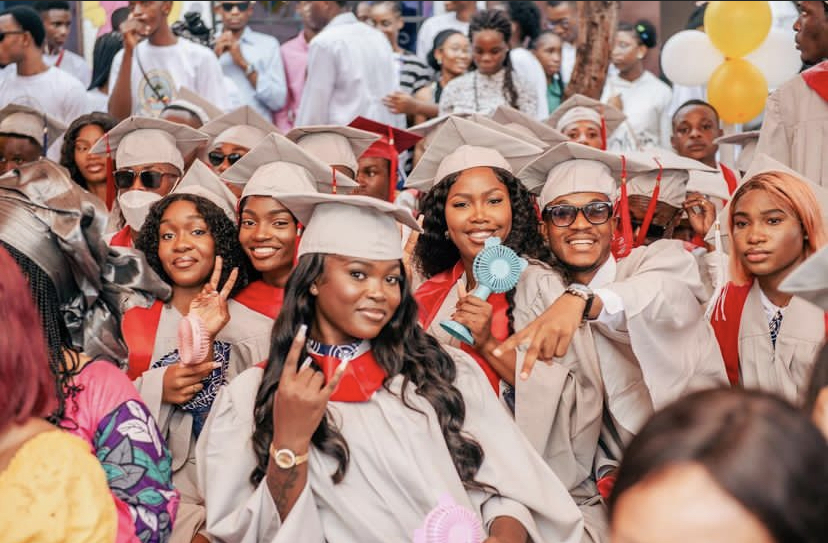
[(285, 459)]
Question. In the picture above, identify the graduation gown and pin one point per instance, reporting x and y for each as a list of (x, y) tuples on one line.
[(399, 468), (559, 408), (248, 334), (795, 127)]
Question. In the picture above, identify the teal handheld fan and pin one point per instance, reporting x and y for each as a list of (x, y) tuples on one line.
[(496, 269)]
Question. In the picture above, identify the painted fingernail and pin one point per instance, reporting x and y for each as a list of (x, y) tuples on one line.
[(306, 363), (303, 329), (497, 352), (524, 375)]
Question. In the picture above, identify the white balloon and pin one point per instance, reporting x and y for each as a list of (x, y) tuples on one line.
[(777, 58), (689, 58)]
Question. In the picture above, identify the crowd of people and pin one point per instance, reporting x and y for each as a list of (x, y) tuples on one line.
[(246, 292)]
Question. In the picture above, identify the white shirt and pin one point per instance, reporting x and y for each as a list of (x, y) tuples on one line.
[(568, 53), (73, 64), (646, 104), (527, 65), (183, 64), (350, 70), (433, 26), (54, 92), (97, 101)]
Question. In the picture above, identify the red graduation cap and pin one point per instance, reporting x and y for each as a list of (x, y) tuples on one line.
[(392, 142)]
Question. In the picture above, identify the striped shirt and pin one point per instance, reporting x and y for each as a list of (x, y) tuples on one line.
[(414, 73)]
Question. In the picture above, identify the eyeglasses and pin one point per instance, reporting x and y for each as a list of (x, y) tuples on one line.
[(228, 6), (217, 157), (151, 179), (563, 215), (3, 34), (655, 231), (552, 23)]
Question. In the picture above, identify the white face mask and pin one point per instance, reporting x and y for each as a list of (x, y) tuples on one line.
[(135, 206)]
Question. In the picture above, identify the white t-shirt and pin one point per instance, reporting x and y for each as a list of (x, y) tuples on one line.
[(646, 104), (433, 26), (169, 67), (97, 101), (73, 64), (527, 66), (54, 92)]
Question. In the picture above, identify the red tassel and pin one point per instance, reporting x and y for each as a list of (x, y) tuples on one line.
[(110, 175), (395, 158), (603, 131), (622, 243), (648, 218), (333, 180)]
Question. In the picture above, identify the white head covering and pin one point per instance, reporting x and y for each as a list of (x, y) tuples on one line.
[(334, 145), (810, 279), (582, 108), (708, 183), (674, 171), (24, 121), (521, 122), (192, 102), (242, 126), (748, 141), (355, 226), (569, 168), (135, 206), (202, 181), (143, 140), (461, 144), (277, 165)]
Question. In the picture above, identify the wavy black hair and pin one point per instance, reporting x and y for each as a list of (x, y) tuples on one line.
[(67, 150), (435, 253), (106, 47), (224, 232), (526, 16), (401, 348), (643, 30), (495, 19), (439, 40)]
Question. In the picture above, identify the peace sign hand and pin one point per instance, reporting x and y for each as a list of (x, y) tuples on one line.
[(302, 398), (211, 304)]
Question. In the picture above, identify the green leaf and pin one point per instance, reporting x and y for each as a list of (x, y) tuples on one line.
[(150, 496), (153, 471)]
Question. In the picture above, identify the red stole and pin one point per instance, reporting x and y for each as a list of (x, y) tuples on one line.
[(730, 307), (139, 326), (361, 379), (817, 79), (122, 238), (262, 298), (430, 297), (730, 178)]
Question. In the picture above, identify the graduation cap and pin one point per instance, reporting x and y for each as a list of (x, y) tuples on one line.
[(188, 100), (708, 183), (356, 226), (748, 141), (461, 144), (666, 179), (428, 129), (243, 127), (521, 122), (569, 168), (334, 145), (144, 140), (200, 180), (277, 166), (810, 279), (519, 132), (582, 108), (392, 142), (17, 120)]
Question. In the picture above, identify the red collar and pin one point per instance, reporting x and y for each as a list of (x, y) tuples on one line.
[(817, 79), (122, 238), (362, 378), (262, 298)]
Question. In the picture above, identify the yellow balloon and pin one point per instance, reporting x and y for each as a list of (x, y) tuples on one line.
[(738, 90), (737, 28)]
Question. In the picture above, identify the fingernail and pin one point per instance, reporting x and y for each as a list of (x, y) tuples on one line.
[(343, 365), (497, 352), (306, 363), (302, 331), (216, 365), (524, 375)]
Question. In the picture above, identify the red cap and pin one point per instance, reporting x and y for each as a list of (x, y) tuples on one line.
[(392, 142)]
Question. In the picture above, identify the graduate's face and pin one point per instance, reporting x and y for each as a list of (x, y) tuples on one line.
[(548, 51), (355, 298), (267, 233), (683, 504), (57, 22), (665, 218), (584, 132), (694, 129), (768, 237), (92, 167), (224, 155), (582, 247), (186, 247), (489, 51), (812, 32), (374, 177), (477, 208), (16, 151)]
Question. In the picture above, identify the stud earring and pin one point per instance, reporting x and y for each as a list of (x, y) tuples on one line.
[(314, 290), (446, 234)]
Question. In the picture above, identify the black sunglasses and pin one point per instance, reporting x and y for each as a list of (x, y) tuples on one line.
[(563, 215), (151, 179), (655, 231), (228, 6), (3, 34), (217, 157)]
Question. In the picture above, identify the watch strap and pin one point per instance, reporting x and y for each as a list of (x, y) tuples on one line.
[(298, 459)]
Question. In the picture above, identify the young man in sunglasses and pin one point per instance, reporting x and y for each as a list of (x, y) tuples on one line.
[(644, 310), (149, 162), (251, 60)]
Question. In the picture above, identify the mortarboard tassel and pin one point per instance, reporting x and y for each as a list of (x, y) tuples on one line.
[(333, 180), (392, 170), (622, 242), (110, 175), (720, 290), (603, 131), (648, 217)]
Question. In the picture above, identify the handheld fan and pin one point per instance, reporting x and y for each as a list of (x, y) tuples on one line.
[(193, 340), (496, 269), (450, 523)]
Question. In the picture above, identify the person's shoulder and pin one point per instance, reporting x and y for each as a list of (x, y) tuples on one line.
[(193, 48), (65, 79), (436, 20), (262, 39), (653, 80)]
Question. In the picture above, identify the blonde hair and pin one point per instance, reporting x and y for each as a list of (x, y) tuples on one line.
[(794, 194)]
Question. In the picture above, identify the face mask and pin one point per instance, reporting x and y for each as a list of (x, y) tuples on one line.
[(135, 206)]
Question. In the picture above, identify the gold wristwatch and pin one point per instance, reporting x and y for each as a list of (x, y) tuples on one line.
[(286, 458)]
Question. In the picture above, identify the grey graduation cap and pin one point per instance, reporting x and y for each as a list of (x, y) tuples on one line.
[(202, 181), (583, 108), (810, 279), (192, 102), (24, 121), (517, 120), (748, 141), (243, 127), (334, 145), (674, 172)]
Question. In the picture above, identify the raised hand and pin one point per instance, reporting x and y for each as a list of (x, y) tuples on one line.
[(408, 250), (476, 315), (301, 399), (182, 382), (129, 29), (701, 213), (211, 304)]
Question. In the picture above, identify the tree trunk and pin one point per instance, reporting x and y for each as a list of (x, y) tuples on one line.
[(596, 26)]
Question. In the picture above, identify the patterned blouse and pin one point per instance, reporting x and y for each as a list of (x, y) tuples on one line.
[(474, 92)]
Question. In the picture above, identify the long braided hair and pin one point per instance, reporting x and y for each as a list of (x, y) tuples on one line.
[(497, 20), (434, 253), (401, 348)]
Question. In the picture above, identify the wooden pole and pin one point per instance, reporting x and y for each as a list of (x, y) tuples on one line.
[(596, 26)]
